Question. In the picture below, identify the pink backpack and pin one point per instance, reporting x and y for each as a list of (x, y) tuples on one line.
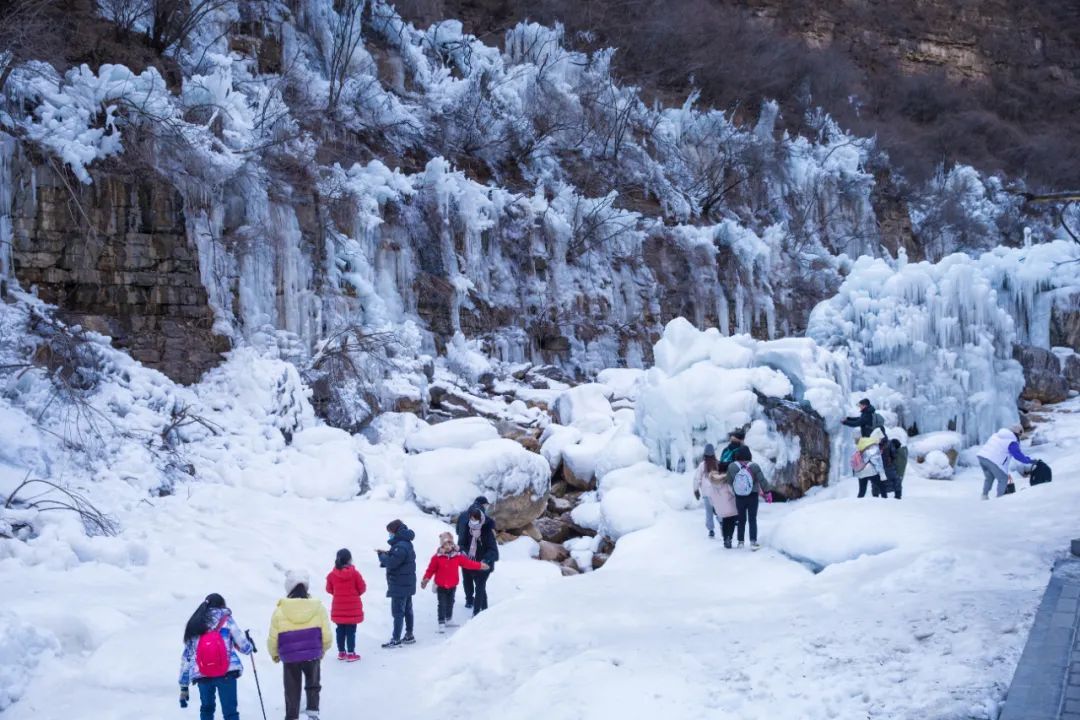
[(858, 462), (211, 655)]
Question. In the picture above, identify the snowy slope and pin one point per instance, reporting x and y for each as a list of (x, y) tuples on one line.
[(920, 612)]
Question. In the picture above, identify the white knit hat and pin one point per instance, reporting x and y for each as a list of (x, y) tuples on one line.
[(294, 578)]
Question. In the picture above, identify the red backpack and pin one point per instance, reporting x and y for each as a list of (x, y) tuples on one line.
[(211, 655)]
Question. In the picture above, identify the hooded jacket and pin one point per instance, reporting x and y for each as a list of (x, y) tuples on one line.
[(1002, 447), (400, 564), (346, 585), (234, 641), (293, 626), (871, 453), (444, 568), (720, 495)]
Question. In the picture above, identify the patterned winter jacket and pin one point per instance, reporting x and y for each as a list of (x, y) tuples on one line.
[(234, 640)]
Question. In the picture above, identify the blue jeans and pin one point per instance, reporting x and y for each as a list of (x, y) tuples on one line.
[(709, 513), (346, 637), (401, 609), (225, 687)]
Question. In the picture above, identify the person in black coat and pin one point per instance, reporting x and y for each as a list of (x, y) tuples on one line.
[(866, 420), (476, 538), (400, 564)]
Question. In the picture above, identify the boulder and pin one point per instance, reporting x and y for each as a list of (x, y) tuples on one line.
[(532, 531), (558, 505), (598, 560), (517, 511), (553, 552), (1043, 378), (578, 483), (1065, 322), (812, 468), (569, 562), (1070, 369), (559, 487), (568, 571), (554, 529), (568, 520)]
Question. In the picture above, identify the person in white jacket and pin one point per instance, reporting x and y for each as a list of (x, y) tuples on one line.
[(1001, 449), (718, 500), (873, 472)]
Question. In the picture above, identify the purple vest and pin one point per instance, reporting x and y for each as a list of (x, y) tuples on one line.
[(297, 646)]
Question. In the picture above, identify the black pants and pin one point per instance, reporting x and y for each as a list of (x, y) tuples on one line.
[(445, 597), (346, 637), (479, 587), (727, 527), (468, 581), (747, 506), (897, 484), (297, 674), (878, 487)]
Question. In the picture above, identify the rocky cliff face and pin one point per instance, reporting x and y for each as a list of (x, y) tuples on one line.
[(115, 257)]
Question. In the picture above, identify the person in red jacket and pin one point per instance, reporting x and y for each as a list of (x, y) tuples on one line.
[(445, 567), (346, 585)]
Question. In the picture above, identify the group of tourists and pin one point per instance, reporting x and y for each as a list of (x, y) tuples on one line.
[(730, 487), (300, 633)]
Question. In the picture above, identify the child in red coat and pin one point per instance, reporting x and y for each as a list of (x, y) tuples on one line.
[(445, 567), (346, 585)]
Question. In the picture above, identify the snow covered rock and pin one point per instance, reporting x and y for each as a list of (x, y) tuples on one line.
[(937, 466), (446, 481), (585, 407), (460, 433)]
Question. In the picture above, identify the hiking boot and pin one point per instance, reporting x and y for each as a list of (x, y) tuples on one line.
[(352, 657), (342, 655), (468, 603), (450, 624), (727, 543), (755, 546), (391, 645), (408, 639), (985, 496), (712, 533), (740, 543), (442, 628), (312, 714)]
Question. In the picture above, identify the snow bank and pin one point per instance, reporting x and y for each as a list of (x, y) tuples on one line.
[(22, 647), (585, 407), (447, 480), (459, 433)]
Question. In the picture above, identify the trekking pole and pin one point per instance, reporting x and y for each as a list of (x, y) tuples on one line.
[(255, 671)]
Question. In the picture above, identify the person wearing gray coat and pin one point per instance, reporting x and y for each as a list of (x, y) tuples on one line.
[(749, 483)]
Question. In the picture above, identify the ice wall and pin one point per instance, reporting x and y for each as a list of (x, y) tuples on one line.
[(941, 335)]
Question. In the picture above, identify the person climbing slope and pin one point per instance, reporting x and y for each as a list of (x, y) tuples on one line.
[(748, 483), (1001, 449), (299, 637), (444, 568), (212, 641), (867, 419), (345, 585), (400, 564), (708, 487)]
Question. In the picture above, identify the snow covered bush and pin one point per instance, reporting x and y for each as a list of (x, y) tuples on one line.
[(936, 466)]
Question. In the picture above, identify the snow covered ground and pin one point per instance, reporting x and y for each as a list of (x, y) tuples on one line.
[(921, 610)]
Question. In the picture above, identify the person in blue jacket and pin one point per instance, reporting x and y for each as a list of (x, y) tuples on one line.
[(400, 564)]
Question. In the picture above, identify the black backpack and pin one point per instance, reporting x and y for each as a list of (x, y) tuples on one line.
[(1041, 474)]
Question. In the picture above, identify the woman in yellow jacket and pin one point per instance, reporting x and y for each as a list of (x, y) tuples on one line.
[(299, 636)]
